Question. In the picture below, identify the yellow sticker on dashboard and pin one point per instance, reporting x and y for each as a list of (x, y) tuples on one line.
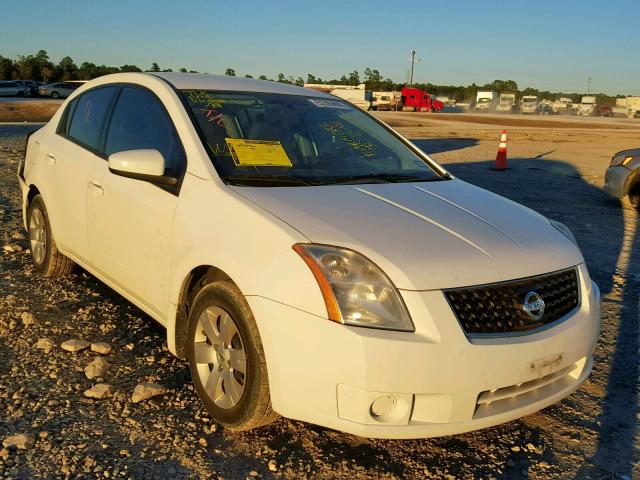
[(257, 153)]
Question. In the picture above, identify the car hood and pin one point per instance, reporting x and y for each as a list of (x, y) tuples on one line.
[(427, 235)]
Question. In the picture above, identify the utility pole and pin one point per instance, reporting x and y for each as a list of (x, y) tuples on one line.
[(413, 60), (588, 86)]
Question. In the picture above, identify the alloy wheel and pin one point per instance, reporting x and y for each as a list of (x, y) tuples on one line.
[(219, 355), (38, 236)]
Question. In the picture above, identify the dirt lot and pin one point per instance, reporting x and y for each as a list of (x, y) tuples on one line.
[(556, 170), (28, 109)]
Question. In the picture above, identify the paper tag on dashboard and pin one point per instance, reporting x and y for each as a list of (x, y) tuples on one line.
[(257, 153)]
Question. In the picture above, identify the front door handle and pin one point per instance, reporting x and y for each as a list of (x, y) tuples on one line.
[(96, 188), (51, 160)]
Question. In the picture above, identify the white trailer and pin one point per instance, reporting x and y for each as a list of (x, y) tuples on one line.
[(356, 95), (386, 100), (629, 106)]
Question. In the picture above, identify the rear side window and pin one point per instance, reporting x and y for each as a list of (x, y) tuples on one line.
[(139, 121), (89, 116)]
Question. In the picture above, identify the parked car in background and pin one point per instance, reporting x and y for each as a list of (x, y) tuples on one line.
[(605, 111), (57, 90), (32, 85), (308, 291), (622, 178), (13, 89)]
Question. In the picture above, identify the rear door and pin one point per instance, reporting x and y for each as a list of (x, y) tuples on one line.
[(130, 220), (70, 156)]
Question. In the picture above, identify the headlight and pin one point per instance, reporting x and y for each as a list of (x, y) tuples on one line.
[(621, 160), (356, 292), (564, 230)]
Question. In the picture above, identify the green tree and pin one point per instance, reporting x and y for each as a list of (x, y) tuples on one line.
[(130, 68), (248, 76), (183, 70), (230, 72), (263, 77), (354, 78), (155, 67), (6, 68), (67, 69)]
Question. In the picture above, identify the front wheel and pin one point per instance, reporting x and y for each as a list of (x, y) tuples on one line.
[(226, 358)]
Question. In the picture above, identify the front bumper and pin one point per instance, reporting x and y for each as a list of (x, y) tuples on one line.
[(440, 382), (615, 179)]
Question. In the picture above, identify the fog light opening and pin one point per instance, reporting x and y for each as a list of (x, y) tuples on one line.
[(383, 406)]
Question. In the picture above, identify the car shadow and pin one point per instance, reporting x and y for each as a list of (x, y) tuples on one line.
[(607, 233), (437, 145)]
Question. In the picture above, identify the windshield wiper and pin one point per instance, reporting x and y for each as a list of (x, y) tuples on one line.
[(268, 180), (380, 178)]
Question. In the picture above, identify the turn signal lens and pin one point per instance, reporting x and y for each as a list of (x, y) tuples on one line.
[(355, 290)]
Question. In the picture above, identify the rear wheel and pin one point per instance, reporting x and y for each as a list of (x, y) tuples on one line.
[(46, 257), (226, 358), (54, 95)]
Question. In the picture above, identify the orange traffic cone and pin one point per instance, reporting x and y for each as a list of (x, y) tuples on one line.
[(501, 157)]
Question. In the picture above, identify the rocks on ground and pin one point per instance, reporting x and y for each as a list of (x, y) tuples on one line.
[(100, 391), (22, 441), (145, 391), (97, 368), (75, 345)]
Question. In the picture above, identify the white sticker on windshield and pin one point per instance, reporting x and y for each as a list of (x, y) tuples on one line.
[(328, 103)]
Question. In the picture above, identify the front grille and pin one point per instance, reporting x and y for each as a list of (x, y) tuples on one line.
[(498, 308)]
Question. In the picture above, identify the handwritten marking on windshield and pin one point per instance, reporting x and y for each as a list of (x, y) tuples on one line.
[(349, 137)]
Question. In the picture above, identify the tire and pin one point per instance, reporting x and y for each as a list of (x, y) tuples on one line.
[(48, 261), (55, 95), (634, 198), (222, 332)]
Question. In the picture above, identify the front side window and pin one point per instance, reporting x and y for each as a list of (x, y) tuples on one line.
[(89, 116), (139, 121), (268, 139)]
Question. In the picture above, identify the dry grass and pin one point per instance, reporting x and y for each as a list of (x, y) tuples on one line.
[(27, 111)]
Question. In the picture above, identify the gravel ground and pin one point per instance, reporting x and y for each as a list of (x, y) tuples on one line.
[(591, 434)]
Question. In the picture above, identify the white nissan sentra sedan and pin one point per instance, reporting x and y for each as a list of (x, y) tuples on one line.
[(307, 260)]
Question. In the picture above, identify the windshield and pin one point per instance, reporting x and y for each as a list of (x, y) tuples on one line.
[(267, 139), (484, 100)]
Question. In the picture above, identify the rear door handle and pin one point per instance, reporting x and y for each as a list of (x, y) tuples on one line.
[(51, 160), (96, 188)]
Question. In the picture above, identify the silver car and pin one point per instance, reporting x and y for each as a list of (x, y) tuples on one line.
[(56, 90), (13, 89), (622, 178)]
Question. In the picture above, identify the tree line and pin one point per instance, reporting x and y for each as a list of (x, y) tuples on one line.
[(39, 67)]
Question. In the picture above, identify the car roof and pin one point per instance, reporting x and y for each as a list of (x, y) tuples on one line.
[(203, 81)]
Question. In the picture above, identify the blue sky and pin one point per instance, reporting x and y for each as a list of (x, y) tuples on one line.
[(551, 45)]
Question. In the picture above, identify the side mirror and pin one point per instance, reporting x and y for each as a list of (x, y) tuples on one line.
[(142, 164)]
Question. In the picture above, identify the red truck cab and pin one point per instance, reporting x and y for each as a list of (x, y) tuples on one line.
[(417, 100)]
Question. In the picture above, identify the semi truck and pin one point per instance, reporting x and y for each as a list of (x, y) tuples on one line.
[(506, 103), (563, 105), (486, 100), (529, 104), (587, 106), (356, 95), (417, 100)]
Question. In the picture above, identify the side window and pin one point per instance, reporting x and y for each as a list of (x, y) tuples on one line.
[(140, 121), (65, 122), (89, 116)]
